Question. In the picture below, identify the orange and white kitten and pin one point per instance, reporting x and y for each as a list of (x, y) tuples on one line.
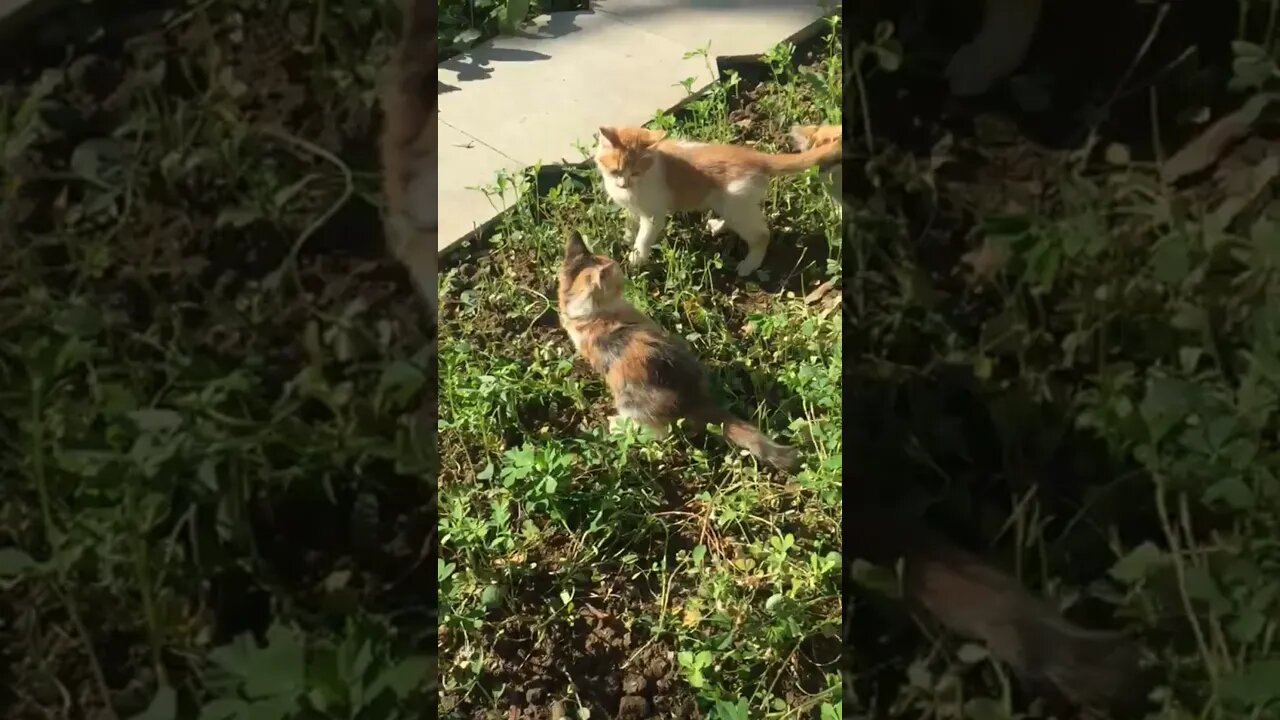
[(654, 377), (409, 150), (808, 137), (653, 177)]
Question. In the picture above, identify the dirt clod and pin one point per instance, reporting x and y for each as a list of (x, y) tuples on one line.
[(633, 684), (632, 706)]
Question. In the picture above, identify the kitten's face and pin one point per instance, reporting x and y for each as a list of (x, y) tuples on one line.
[(624, 154), (807, 137), (587, 282)]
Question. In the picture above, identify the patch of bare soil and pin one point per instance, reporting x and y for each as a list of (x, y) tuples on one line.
[(591, 656)]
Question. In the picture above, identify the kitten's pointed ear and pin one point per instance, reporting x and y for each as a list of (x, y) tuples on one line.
[(574, 247), (601, 273), (609, 137), (656, 136)]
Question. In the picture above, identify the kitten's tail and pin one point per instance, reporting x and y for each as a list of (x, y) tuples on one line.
[(1089, 667), (973, 599), (787, 163), (748, 437)]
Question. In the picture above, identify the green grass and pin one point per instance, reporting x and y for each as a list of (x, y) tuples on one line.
[(724, 575), (200, 440), (199, 444), (1076, 362)]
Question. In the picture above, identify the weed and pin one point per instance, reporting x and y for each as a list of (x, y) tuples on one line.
[(1071, 359), (464, 23), (216, 462)]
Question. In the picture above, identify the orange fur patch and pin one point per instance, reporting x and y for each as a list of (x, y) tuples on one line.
[(408, 150), (695, 170), (654, 377)]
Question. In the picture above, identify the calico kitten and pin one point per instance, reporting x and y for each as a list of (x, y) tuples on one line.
[(408, 150), (653, 376), (808, 137), (653, 177), (1089, 668)]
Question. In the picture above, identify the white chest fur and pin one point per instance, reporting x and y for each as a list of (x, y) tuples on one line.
[(646, 194), (576, 338)]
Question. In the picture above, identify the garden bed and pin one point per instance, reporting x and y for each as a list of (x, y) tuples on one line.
[(212, 375), (618, 573), (1054, 349)]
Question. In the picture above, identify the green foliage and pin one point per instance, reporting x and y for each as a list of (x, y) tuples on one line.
[(1116, 333), (285, 679), (181, 407), (718, 568)]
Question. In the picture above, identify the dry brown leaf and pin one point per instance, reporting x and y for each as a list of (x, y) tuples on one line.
[(819, 292), (692, 616), (1244, 184), (1205, 150)]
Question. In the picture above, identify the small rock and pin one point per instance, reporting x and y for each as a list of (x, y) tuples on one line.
[(633, 684), (632, 707)]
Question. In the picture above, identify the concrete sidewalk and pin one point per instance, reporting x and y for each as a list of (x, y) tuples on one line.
[(537, 97)]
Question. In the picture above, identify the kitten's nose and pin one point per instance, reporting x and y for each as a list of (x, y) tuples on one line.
[(622, 182)]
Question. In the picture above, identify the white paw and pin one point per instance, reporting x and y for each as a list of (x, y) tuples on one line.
[(749, 265), (637, 256), (715, 226)]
